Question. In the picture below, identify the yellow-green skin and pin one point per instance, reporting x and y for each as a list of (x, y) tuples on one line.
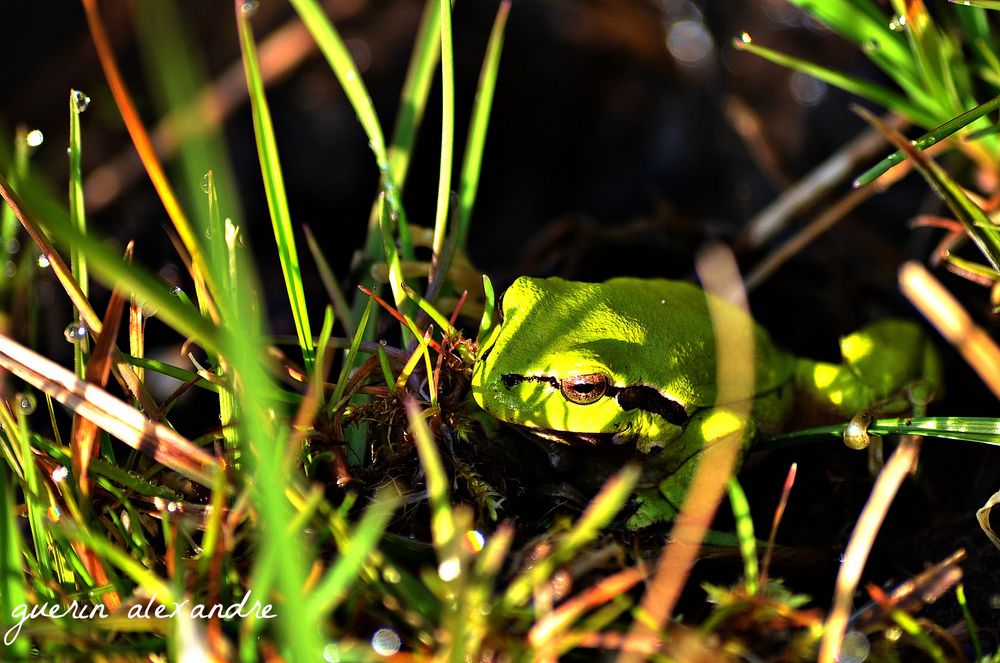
[(658, 335)]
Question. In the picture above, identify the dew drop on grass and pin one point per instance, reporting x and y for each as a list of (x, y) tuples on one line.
[(855, 648), (250, 7), (13, 246), (43, 261), (34, 138), (386, 642), (870, 46), (176, 291), (26, 402), (898, 23), (9, 269), (75, 332), (80, 100), (60, 473), (205, 183)]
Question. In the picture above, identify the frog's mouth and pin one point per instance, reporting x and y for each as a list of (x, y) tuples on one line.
[(587, 389)]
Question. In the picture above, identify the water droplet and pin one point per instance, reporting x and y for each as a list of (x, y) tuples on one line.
[(75, 332), (13, 246), (176, 291), (473, 541), (172, 507), (43, 261), (870, 46), (386, 642), (449, 569), (746, 38), (54, 514), (9, 269), (331, 653), (60, 473), (34, 138), (80, 100), (26, 402), (855, 647), (898, 23), (206, 181), (250, 7), (391, 575)]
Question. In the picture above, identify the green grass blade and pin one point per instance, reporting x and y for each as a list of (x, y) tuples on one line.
[(332, 588), (274, 185), (984, 430), (352, 353), (982, 4), (876, 93), (108, 266), (416, 89), (473, 159), (447, 129), (12, 584), (932, 137), (973, 219), (443, 530), (18, 167), (333, 289), (744, 531), (78, 102), (605, 505)]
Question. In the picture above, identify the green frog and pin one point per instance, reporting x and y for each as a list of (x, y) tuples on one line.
[(634, 361)]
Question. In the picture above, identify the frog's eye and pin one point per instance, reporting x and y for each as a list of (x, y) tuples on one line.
[(584, 389)]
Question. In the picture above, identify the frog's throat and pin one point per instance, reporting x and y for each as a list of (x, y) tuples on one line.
[(636, 397)]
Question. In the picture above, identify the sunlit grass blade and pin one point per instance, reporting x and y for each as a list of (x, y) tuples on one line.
[(973, 219), (985, 430), (932, 137), (352, 354), (473, 159), (416, 89), (443, 530), (447, 328), (982, 4), (331, 589), (111, 270), (126, 423), (97, 371), (78, 102), (605, 506), (141, 140), (744, 530), (447, 129), (868, 27), (12, 581), (274, 186), (871, 91)]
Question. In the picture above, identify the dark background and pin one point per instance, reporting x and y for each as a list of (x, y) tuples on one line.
[(610, 152)]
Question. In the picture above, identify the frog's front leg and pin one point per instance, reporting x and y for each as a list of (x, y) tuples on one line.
[(668, 475)]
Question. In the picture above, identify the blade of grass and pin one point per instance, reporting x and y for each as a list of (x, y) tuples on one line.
[(97, 371), (447, 130), (331, 589), (140, 138), (274, 186), (932, 137), (973, 219), (473, 160), (121, 420), (605, 505), (333, 289), (78, 102), (852, 84), (12, 584), (744, 530), (889, 480)]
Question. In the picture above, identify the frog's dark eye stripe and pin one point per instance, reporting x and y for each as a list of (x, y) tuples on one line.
[(648, 399)]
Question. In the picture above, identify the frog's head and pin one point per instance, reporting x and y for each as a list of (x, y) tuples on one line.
[(568, 363)]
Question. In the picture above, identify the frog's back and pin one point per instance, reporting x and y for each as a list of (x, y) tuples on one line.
[(654, 331)]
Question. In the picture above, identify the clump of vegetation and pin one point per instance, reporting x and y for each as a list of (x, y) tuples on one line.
[(351, 503)]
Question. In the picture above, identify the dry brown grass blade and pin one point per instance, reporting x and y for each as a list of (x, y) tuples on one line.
[(121, 420), (97, 372), (144, 146), (901, 463), (735, 378), (952, 321), (123, 370)]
